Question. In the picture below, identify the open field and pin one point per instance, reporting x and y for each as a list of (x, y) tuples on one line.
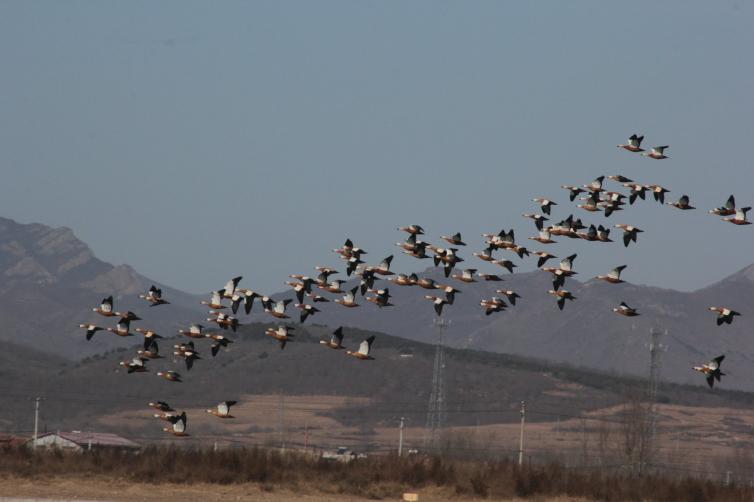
[(696, 440), (194, 474), (105, 490)]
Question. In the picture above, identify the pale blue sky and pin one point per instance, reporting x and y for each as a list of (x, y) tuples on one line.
[(200, 140)]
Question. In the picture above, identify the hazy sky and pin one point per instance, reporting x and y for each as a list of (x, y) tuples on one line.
[(200, 140)]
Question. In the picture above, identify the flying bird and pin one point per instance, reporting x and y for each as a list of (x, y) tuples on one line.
[(150, 351), (230, 287), (539, 220), (218, 341), (336, 340), (91, 329), (574, 191), (178, 427), (591, 203), (149, 336), (222, 410), (349, 299), (724, 314), (658, 192), (215, 300), (510, 295), (625, 310), (728, 209), (613, 277), (564, 269), (282, 334), (711, 370), (490, 277), (682, 203), (630, 233), (412, 229), (333, 286), (276, 308), (438, 303), (154, 297), (544, 204), (544, 237), (506, 264), (619, 178), (161, 406), (381, 298), (454, 239), (543, 257), (106, 308), (188, 354), (485, 255), (596, 185), (194, 331), (637, 191), (562, 295), (301, 288), (364, 348), (383, 268), (224, 321), (467, 275), (122, 328), (135, 365), (657, 153), (306, 311), (634, 144), (170, 376), (492, 305), (404, 280), (740, 217)]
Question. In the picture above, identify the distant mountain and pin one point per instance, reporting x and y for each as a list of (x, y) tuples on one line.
[(587, 332), (50, 281)]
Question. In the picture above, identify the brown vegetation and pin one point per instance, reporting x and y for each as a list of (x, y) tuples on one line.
[(374, 477)]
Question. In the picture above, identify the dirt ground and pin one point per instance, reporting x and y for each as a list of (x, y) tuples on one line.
[(105, 490)]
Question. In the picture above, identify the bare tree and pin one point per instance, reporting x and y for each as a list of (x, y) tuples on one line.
[(604, 438), (637, 434)]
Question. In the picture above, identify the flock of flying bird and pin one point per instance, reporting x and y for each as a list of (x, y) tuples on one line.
[(596, 199)]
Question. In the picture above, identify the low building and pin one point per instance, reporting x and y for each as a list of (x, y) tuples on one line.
[(342, 454), (11, 440), (82, 441)]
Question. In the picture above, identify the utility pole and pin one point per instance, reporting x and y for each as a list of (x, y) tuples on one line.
[(400, 438), (306, 436), (36, 421), (281, 411), (521, 437)]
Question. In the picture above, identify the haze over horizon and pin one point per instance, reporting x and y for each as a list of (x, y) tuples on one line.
[(197, 142)]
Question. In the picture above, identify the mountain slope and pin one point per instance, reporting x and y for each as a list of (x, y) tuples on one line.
[(50, 281), (586, 332), (481, 387)]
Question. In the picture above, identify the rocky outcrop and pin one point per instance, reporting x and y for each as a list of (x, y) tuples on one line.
[(50, 280)]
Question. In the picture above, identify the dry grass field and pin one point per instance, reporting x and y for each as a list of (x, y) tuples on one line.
[(690, 438), (106, 490), (188, 474)]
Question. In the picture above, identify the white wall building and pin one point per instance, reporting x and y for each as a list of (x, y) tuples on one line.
[(82, 441)]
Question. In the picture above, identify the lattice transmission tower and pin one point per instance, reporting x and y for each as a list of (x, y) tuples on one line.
[(436, 409)]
